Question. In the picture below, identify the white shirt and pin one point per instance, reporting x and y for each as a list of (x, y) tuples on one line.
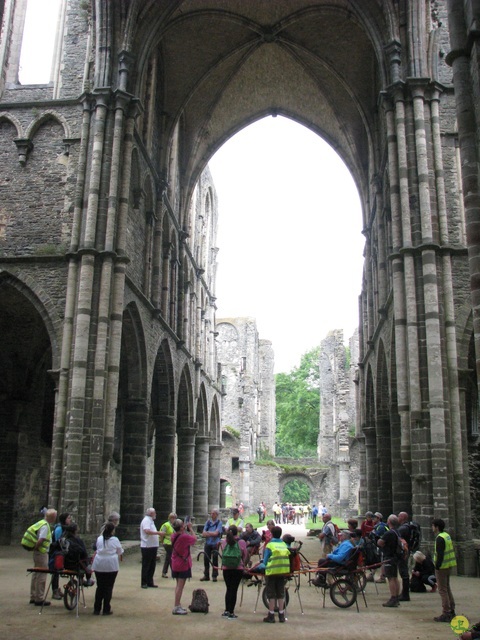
[(147, 540), (106, 557)]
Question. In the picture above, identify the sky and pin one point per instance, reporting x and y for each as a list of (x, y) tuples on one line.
[(289, 237), (289, 234)]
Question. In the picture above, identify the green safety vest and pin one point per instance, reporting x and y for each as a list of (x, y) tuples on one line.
[(30, 537), (449, 555), (278, 563)]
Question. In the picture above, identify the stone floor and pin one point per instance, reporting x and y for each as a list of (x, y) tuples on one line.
[(141, 613)]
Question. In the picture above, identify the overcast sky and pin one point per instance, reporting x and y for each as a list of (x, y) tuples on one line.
[(289, 237)]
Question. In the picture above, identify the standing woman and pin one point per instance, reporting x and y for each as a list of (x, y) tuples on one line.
[(181, 561), (106, 566), (233, 574)]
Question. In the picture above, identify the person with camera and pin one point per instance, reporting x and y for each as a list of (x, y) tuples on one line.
[(182, 539)]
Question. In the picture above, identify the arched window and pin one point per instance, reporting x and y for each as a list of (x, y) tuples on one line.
[(39, 41)]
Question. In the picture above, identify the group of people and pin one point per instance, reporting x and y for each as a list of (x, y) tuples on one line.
[(51, 541), (396, 540)]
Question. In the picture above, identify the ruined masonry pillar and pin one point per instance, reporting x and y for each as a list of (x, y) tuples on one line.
[(163, 484), (371, 465), (185, 470), (244, 488), (214, 476), (200, 487), (134, 464)]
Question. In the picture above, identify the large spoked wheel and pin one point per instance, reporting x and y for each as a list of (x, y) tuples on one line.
[(360, 580), (265, 599), (343, 593), (70, 594)]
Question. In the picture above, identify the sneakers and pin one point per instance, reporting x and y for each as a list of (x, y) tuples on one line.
[(225, 614), (232, 616), (214, 579), (88, 583), (320, 580), (57, 595), (393, 602), (270, 618), (281, 616), (380, 580), (445, 617), (164, 575), (179, 611), (205, 579)]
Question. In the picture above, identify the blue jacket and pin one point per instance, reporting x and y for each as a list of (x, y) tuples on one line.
[(342, 552)]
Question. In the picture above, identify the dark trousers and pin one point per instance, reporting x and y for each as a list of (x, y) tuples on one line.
[(103, 594), (232, 579), (168, 558), (149, 561), (211, 555)]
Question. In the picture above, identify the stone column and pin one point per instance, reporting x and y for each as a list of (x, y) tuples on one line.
[(371, 465), (214, 476), (343, 480), (200, 487), (134, 465), (185, 470), (244, 485), (164, 465)]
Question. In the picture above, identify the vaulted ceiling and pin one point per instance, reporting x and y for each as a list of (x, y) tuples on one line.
[(227, 63)]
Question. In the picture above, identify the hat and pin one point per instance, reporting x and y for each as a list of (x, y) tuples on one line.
[(369, 514), (378, 515)]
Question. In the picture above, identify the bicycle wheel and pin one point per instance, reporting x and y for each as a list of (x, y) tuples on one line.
[(70, 594), (343, 593), (265, 599)]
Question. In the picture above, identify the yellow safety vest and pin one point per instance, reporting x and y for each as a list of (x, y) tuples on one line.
[(30, 537), (278, 563), (167, 529), (449, 554)]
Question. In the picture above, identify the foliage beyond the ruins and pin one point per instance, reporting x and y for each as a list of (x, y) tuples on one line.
[(298, 408)]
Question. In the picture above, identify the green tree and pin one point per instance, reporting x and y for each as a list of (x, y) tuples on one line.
[(296, 492), (298, 408)]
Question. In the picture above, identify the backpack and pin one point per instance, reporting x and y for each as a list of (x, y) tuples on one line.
[(231, 556), (402, 549), (415, 536), (334, 537), (199, 601), (295, 563)]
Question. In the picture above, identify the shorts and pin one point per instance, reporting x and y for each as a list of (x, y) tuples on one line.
[(182, 575), (275, 587), (390, 568)]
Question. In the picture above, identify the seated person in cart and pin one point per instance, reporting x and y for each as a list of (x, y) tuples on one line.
[(76, 556), (339, 556)]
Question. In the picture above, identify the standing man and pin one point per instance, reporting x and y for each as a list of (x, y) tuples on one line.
[(404, 532), (277, 567), (235, 520), (149, 547), (327, 536), (38, 538), (165, 538), (389, 544), (212, 532), (444, 560)]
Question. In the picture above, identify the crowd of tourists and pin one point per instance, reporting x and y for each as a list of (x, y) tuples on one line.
[(392, 546)]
